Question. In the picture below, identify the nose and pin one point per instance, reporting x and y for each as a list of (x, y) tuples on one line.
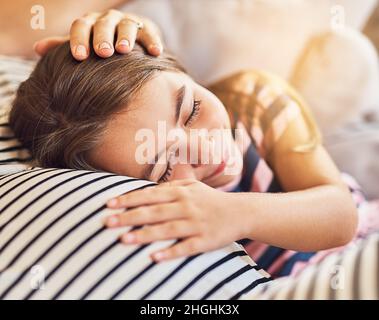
[(200, 151)]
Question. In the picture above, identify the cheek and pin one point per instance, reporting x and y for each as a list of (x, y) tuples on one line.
[(214, 114)]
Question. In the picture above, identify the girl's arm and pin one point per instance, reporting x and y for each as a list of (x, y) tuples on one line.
[(317, 211)]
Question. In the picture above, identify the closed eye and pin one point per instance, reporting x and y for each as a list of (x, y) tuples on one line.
[(166, 175), (195, 112)]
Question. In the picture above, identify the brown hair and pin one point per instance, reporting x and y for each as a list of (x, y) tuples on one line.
[(61, 111)]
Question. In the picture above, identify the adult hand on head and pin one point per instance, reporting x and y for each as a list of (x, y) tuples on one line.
[(129, 28)]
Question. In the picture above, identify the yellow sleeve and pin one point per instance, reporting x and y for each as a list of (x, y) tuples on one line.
[(267, 106)]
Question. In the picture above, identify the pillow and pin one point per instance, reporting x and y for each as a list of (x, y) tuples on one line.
[(52, 236)]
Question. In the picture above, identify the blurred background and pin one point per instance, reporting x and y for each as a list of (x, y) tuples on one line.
[(372, 27)]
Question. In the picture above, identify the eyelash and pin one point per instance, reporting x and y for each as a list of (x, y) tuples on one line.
[(167, 173), (194, 113)]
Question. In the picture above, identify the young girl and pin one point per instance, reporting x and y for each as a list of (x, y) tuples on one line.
[(287, 192)]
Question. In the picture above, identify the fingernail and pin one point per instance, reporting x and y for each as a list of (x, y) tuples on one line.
[(159, 256), (80, 50), (104, 45), (112, 221), (112, 202), (155, 49), (124, 43), (128, 238)]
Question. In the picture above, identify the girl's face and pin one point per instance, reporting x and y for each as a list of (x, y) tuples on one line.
[(173, 129)]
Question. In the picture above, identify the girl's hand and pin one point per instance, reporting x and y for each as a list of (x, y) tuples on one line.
[(182, 209), (104, 27)]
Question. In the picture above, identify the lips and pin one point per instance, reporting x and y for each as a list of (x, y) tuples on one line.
[(219, 169)]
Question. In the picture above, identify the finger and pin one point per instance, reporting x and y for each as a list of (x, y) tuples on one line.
[(150, 39), (80, 32), (164, 231), (41, 47), (103, 33), (127, 31), (177, 183), (143, 197), (145, 215), (185, 248)]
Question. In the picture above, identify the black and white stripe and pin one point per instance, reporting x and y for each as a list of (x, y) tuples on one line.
[(52, 218)]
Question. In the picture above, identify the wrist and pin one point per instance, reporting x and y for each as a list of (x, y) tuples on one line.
[(243, 212)]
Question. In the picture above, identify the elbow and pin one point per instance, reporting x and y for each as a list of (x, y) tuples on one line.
[(347, 223), (348, 231)]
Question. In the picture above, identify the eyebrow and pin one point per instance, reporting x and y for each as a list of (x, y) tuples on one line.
[(179, 98)]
